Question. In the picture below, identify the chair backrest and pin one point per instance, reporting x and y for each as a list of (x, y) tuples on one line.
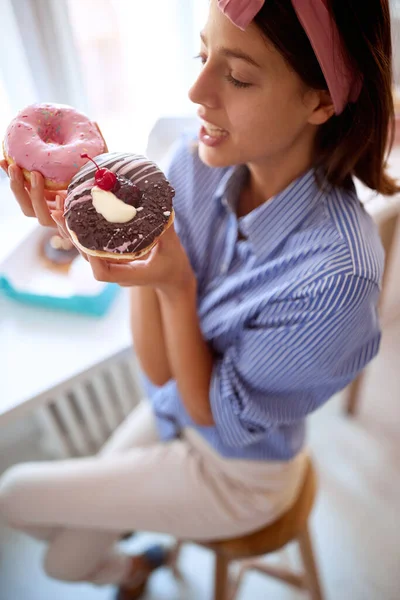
[(386, 213), (387, 230)]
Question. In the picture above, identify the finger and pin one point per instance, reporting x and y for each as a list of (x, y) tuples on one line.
[(61, 231), (85, 256), (58, 219), (37, 198), (17, 184), (152, 254), (51, 205), (60, 200), (4, 166), (136, 273), (50, 194), (59, 212)]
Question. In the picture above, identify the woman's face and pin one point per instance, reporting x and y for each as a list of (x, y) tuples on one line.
[(253, 106)]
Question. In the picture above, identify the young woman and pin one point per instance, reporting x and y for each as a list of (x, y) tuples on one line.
[(250, 314)]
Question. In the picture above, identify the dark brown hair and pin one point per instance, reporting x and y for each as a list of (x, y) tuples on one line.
[(357, 141)]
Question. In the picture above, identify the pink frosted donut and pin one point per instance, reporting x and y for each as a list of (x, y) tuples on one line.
[(50, 138)]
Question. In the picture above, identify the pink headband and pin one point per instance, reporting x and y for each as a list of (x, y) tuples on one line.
[(343, 83)]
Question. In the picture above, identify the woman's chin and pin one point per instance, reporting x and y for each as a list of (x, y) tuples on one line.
[(215, 157)]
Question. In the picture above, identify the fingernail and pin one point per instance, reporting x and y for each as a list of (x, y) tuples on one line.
[(11, 173), (34, 180)]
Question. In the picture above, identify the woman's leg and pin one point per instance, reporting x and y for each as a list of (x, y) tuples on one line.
[(138, 429), (165, 487), (43, 534)]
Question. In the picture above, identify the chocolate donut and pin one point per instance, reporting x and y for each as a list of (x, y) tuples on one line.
[(118, 208)]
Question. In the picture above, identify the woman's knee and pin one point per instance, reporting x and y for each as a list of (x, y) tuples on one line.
[(55, 568), (61, 566), (13, 493)]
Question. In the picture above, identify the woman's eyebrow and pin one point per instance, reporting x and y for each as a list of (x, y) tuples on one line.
[(233, 53)]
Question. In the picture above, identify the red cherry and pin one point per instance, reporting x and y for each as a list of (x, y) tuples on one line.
[(105, 179)]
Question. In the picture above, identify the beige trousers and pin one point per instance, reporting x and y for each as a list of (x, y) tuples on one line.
[(182, 487)]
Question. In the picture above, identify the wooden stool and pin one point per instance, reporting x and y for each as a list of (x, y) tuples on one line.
[(292, 526)]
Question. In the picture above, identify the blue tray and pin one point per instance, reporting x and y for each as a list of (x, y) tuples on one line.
[(95, 305)]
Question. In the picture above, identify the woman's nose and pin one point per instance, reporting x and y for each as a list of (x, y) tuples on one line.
[(203, 90)]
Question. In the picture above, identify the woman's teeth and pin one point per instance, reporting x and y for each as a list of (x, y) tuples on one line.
[(213, 131)]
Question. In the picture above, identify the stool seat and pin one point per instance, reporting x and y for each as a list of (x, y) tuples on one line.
[(279, 533), (292, 526)]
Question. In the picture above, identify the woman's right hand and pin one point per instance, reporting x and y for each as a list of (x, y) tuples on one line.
[(47, 206), (33, 199)]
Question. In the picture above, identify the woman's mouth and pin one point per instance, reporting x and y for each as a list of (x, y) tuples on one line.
[(211, 135)]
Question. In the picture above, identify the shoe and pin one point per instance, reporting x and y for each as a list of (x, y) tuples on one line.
[(153, 558), (127, 536)]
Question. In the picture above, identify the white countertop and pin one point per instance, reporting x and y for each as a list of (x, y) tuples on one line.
[(40, 349)]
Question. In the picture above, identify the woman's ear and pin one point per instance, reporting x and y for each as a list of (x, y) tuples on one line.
[(321, 105)]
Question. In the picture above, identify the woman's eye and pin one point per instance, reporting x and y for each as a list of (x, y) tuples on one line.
[(201, 58), (236, 82)]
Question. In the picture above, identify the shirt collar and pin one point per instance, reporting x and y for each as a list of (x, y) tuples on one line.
[(230, 185), (270, 223)]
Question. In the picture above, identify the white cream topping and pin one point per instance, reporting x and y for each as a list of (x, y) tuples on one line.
[(112, 208)]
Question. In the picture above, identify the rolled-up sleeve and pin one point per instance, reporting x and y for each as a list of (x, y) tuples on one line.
[(292, 358)]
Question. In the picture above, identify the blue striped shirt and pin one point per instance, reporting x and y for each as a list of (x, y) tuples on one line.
[(289, 307)]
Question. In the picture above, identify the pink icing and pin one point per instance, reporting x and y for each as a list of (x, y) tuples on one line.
[(50, 138)]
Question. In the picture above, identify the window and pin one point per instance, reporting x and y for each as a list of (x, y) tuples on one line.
[(125, 62), (16, 84), (136, 62), (6, 112)]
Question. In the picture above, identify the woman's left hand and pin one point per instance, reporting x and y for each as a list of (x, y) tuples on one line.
[(166, 267)]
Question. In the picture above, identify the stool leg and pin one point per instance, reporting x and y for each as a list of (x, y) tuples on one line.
[(311, 575), (221, 578), (353, 395)]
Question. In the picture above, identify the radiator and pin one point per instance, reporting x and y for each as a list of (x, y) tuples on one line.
[(81, 417)]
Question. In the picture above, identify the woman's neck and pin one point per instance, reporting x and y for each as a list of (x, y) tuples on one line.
[(268, 178)]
